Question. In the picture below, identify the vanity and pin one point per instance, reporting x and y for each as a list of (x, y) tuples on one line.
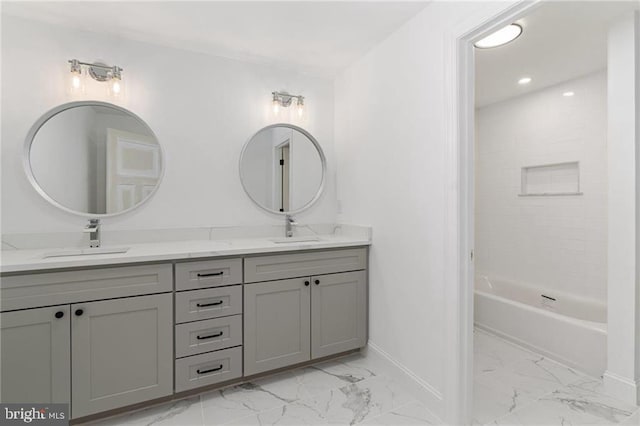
[(103, 338), (112, 327)]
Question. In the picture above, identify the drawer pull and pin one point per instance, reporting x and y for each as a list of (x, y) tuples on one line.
[(204, 305), (211, 336), (212, 274), (211, 370)]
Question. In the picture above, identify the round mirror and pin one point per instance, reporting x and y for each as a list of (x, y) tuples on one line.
[(93, 159), (282, 169)]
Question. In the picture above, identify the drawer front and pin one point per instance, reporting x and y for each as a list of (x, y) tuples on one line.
[(57, 288), (278, 267), (207, 369), (210, 335), (214, 302), (209, 273)]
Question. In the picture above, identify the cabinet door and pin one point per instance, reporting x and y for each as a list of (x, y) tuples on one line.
[(339, 313), (276, 324), (35, 355), (122, 352)]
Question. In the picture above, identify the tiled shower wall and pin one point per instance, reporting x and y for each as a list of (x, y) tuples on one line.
[(555, 242)]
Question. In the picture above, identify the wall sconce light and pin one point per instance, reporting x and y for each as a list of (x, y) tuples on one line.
[(285, 100), (112, 75)]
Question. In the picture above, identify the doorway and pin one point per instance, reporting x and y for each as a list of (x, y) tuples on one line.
[(527, 178)]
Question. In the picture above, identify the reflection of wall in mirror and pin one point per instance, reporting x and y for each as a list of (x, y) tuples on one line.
[(306, 170), (61, 156), (257, 170)]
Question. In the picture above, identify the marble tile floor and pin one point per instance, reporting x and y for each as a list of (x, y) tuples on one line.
[(514, 386), (345, 391)]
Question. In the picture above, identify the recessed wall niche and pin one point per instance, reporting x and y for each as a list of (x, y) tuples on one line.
[(551, 179)]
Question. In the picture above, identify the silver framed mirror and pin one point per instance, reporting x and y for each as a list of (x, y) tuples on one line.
[(93, 159), (283, 169)]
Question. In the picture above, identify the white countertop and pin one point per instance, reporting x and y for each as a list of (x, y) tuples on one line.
[(26, 260)]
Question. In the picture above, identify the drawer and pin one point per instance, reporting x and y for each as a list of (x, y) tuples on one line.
[(57, 288), (209, 335), (209, 303), (279, 267), (209, 273), (207, 369)]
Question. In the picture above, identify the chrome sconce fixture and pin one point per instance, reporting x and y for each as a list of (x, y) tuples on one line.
[(112, 75), (285, 100)]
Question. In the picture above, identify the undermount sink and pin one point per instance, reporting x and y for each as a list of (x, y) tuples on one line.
[(288, 240), (86, 252)]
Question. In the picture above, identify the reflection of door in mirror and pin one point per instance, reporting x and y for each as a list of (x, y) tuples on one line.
[(133, 168), (282, 178)]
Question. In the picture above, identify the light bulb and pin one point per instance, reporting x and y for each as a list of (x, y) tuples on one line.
[(115, 84), (276, 106), (76, 81), (300, 107)]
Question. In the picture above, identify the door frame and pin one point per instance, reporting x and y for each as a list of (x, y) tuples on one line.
[(459, 202)]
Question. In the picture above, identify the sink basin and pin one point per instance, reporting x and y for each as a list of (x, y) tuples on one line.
[(86, 252), (289, 240)]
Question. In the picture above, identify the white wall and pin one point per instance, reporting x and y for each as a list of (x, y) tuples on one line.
[(557, 243), (391, 136), (622, 378), (202, 108)]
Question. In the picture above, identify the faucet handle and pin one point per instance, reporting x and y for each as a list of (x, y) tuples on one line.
[(93, 224)]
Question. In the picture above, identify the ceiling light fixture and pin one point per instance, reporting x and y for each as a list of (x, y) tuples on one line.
[(568, 94), (284, 99), (99, 72), (524, 80), (500, 37)]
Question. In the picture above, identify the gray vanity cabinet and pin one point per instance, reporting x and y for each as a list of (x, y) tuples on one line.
[(122, 352), (277, 324), (338, 313), (321, 313), (35, 355)]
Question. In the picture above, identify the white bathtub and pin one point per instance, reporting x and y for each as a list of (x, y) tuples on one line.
[(568, 329)]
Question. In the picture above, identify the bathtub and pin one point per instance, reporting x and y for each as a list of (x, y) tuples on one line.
[(565, 328)]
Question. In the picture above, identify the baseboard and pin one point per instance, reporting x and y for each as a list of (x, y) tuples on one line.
[(528, 346), (621, 388), (426, 394)]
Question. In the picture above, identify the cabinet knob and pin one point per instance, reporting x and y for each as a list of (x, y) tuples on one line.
[(79, 312), (306, 283), (59, 314), (317, 282)]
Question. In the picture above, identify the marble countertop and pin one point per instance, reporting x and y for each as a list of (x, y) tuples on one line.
[(34, 259)]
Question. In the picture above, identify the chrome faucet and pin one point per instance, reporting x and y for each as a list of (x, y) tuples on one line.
[(93, 228), (289, 222)]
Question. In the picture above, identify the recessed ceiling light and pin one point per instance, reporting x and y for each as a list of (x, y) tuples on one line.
[(524, 80), (500, 37), (568, 94)]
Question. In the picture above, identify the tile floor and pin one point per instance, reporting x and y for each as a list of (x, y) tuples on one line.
[(346, 391), (512, 386)]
